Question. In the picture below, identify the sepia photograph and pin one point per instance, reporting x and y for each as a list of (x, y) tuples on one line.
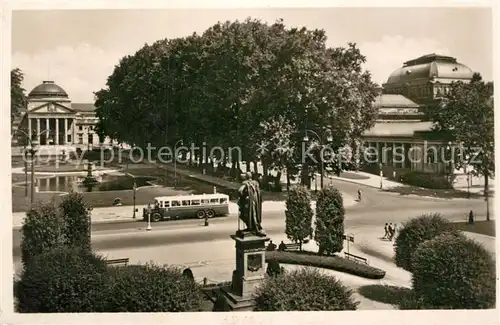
[(252, 159)]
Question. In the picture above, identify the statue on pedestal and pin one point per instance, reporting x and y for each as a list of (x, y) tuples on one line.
[(250, 205)]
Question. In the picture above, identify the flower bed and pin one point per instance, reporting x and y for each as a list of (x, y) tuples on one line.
[(327, 262)]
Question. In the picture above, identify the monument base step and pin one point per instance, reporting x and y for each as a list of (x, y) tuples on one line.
[(236, 302)]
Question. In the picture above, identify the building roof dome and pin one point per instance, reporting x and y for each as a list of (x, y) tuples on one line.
[(47, 89), (428, 67)]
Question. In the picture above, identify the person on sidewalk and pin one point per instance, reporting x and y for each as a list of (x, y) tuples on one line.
[(386, 231), (359, 195), (271, 246), (282, 247), (471, 217), (391, 231)]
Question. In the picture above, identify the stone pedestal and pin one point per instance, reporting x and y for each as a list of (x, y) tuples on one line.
[(249, 273)]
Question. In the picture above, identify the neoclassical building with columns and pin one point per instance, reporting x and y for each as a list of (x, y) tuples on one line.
[(401, 125), (57, 123)]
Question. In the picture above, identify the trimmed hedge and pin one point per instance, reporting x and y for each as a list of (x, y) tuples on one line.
[(62, 280), (42, 230), (298, 214), (386, 294), (327, 262), (151, 288), (329, 222), (415, 232), (75, 213), (428, 180), (303, 290), (454, 272)]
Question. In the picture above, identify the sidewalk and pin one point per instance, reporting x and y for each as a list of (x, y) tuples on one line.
[(367, 179)]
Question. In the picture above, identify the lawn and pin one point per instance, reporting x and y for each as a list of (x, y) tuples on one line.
[(446, 194), (482, 227), (306, 258)]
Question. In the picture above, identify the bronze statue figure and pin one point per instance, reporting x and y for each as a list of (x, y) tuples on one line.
[(250, 205)]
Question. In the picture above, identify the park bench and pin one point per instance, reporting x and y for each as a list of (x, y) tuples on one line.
[(356, 258), (117, 261), (292, 247)]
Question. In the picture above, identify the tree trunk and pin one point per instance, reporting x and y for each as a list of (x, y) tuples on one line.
[(287, 181), (255, 168), (277, 181), (248, 167), (487, 195)]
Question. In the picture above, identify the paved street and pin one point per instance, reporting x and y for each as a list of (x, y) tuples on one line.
[(375, 209)]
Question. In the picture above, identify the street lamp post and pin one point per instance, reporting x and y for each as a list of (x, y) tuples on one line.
[(25, 155), (175, 161), (31, 149), (450, 171), (148, 228), (322, 144), (135, 189), (381, 172)]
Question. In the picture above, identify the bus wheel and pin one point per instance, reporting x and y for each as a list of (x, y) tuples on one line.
[(156, 217), (200, 214), (210, 213)]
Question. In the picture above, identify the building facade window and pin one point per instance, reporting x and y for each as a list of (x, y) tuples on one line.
[(80, 128), (80, 139)]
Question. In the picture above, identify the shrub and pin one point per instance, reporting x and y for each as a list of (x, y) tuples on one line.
[(151, 288), (329, 233), (303, 290), (298, 215), (328, 262), (62, 280), (455, 272), (41, 231), (385, 294), (415, 232), (273, 268), (77, 221), (428, 180)]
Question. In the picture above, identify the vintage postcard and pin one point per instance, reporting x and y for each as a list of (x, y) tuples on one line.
[(216, 164)]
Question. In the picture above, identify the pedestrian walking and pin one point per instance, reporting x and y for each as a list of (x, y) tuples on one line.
[(386, 231), (391, 231), (471, 217), (359, 195)]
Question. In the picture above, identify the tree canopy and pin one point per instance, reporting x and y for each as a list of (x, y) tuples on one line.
[(240, 84), (18, 98), (466, 115)]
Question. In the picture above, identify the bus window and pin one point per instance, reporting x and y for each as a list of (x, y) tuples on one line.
[(214, 201), (223, 200), (186, 203), (166, 204), (176, 203), (205, 201), (195, 202)]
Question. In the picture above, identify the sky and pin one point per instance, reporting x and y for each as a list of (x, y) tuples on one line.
[(78, 49)]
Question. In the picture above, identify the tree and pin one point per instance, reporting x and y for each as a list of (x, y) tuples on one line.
[(62, 280), (18, 99), (454, 272), (42, 230), (75, 214), (228, 80), (303, 290), (298, 215), (415, 232), (466, 116), (329, 232)]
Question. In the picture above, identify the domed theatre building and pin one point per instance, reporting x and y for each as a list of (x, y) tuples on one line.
[(58, 123), (401, 128)]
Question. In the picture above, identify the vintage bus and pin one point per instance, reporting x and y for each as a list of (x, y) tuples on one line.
[(188, 206)]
